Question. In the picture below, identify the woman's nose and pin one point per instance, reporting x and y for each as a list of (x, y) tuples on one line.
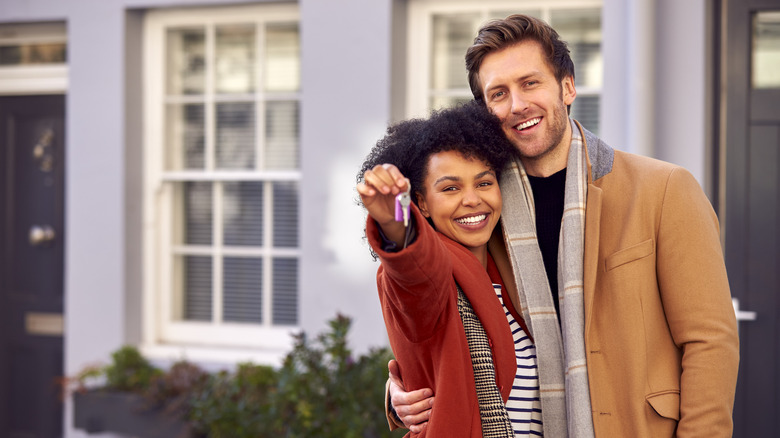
[(471, 197)]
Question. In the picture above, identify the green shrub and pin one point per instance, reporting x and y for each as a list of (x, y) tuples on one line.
[(129, 371), (321, 390)]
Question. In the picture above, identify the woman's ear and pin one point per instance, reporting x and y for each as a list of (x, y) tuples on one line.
[(421, 204)]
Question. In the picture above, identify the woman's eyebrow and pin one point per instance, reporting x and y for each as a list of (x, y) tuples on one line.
[(487, 172), (447, 178)]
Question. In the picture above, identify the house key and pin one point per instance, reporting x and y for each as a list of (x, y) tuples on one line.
[(402, 201)]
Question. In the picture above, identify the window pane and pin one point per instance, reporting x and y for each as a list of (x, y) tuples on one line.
[(439, 102), (197, 288), (585, 110), (29, 54), (283, 62), (186, 138), (766, 50), (281, 135), (581, 29), (503, 14), (452, 35), (243, 213), (285, 300), (194, 217), (236, 135), (242, 290), (285, 214), (235, 63), (186, 61)]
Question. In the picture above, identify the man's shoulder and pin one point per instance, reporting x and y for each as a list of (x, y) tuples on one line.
[(604, 158), (648, 164)]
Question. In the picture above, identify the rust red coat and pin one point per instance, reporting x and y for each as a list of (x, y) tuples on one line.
[(419, 303)]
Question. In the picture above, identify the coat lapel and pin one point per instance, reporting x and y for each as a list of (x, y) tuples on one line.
[(591, 256), (477, 287), (603, 157)]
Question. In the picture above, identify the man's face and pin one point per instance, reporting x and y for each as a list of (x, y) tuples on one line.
[(520, 88)]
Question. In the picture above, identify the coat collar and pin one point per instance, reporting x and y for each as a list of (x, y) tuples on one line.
[(600, 155)]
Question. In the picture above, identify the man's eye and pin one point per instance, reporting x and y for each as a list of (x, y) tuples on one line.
[(498, 94)]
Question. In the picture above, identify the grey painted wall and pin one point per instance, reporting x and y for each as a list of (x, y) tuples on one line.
[(346, 84)]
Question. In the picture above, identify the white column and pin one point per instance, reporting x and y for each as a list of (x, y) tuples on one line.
[(683, 81), (628, 99)]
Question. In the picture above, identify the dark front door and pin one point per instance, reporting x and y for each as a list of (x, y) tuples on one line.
[(751, 218), (32, 141)]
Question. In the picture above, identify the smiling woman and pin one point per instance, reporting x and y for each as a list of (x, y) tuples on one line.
[(442, 297), (462, 198)]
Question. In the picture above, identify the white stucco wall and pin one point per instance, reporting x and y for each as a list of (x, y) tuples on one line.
[(656, 64), (346, 107)]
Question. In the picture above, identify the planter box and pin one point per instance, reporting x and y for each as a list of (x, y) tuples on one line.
[(126, 414)]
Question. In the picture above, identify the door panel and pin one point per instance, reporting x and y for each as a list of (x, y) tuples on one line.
[(31, 265), (751, 214)]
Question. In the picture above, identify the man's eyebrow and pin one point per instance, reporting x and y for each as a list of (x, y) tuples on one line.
[(520, 79)]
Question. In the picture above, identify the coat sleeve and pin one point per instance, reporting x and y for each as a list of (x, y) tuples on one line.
[(697, 302), (413, 283)]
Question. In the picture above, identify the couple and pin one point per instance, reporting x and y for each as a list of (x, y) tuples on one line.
[(615, 314)]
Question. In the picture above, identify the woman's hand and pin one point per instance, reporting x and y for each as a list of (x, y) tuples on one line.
[(378, 191)]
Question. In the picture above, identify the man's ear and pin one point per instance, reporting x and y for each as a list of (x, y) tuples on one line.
[(568, 91), (422, 205)]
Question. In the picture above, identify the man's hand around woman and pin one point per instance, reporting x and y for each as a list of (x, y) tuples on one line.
[(413, 407)]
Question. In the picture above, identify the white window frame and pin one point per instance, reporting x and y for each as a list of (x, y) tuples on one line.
[(164, 337), (420, 19), (33, 79)]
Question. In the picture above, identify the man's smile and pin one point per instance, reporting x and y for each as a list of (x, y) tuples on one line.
[(528, 123)]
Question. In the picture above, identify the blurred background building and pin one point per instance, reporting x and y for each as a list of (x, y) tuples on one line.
[(179, 174)]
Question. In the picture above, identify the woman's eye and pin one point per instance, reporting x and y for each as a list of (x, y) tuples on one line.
[(449, 189), (485, 184)]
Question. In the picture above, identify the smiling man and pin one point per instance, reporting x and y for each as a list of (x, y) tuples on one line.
[(614, 259)]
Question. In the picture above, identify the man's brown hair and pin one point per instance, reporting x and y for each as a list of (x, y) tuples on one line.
[(500, 34)]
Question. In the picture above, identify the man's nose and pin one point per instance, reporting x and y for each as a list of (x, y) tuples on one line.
[(519, 103)]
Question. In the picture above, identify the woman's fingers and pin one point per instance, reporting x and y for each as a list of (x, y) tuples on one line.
[(386, 179)]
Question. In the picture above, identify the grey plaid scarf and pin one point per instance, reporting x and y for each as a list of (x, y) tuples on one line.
[(563, 376)]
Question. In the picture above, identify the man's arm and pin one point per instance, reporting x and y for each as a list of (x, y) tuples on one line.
[(697, 302), (411, 410)]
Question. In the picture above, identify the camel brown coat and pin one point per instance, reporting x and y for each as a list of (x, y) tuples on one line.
[(660, 330)]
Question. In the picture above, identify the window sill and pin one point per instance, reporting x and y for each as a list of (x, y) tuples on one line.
[(213, 358)]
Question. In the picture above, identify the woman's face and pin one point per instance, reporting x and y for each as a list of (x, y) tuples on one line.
[(462, 197)]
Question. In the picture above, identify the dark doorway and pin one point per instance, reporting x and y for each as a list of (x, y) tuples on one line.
[(750, 128), (32, 168)]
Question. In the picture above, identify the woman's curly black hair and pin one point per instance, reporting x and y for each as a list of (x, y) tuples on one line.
[(467, 128)]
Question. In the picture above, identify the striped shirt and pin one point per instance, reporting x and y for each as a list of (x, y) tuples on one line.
[(524, 406)]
